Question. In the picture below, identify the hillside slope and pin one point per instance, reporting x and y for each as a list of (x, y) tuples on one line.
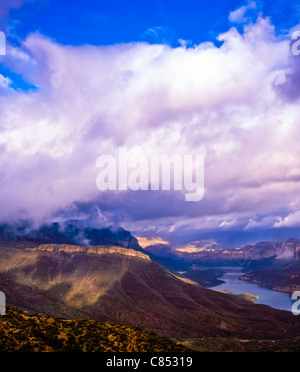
[(282, 279), (21, 331)]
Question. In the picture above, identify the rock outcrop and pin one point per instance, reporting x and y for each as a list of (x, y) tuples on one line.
[(98, 250)]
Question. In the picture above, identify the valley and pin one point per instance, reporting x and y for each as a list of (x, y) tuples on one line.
[(274, 265), (105, 284), (128, 285)]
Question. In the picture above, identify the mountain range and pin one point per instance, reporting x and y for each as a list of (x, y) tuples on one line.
[(274, 265), (248, 255), (125, 286), (42, 272)]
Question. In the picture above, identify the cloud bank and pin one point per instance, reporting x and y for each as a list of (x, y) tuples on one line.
[(237, 104)]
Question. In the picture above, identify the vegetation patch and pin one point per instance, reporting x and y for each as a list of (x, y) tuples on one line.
[(23, 332)]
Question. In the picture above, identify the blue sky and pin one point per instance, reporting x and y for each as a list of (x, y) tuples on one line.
[(109, 22), (95, 22)]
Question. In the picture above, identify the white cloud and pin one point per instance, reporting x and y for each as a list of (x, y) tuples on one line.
[(291, 220), (264, 222), (240, 15), (4, 82), (220, 102)]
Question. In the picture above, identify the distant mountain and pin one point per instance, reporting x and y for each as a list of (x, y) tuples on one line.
[(161, 250), (264, 253), (70, 232), (124, 286), (274, 265), (228, 239)]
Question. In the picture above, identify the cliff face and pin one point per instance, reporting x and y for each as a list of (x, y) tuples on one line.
[(97, 250), (282, 279)]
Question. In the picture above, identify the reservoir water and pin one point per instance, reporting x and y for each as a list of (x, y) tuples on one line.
[(277, 300)]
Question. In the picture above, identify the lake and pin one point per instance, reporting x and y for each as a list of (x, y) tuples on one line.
[(277, 300)]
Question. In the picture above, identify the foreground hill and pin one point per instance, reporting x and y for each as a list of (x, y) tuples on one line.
[(21, 331), (24, 332), (124, 286)]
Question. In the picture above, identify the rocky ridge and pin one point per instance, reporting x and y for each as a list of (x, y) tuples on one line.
[(98, 250)]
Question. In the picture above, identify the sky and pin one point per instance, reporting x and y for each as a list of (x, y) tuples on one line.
[(82, 79)]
